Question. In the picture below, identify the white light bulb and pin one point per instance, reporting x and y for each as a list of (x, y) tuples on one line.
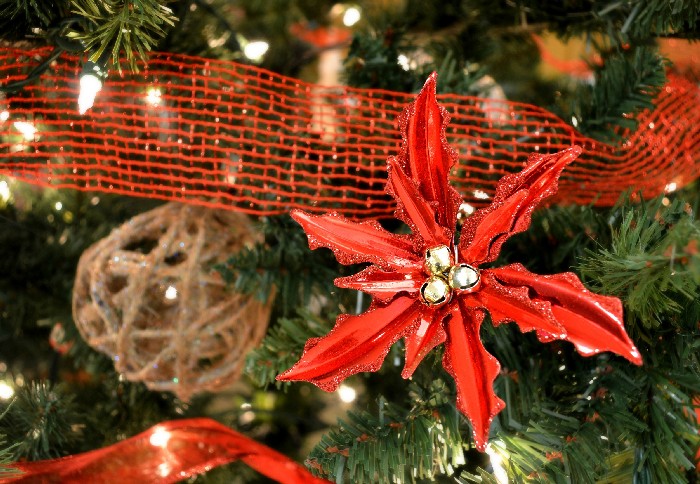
[(351, 16), (4, 191), (481, 195), (153, 97), (171, 292), (58, 206), (4, 116), (6, 391), (499, 471), (90, 85), (27, 129), (403, 62), (255, 50), (347, 394), (159, 438)]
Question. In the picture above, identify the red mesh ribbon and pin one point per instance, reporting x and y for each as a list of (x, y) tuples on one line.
[(169, 452), (236, 136)]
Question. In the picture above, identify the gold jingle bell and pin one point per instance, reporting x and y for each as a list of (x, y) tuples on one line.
[(435, 291), (438, 260), (463, 277)]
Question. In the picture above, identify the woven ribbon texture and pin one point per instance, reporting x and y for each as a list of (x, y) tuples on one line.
[(234, 136)]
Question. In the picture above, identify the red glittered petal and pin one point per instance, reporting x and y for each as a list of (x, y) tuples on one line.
[(593, 323), (493, 230), (427, 336), (413, 209), (384, 285), (515, 304), (429, 156), (355, 344), (354, 242), (473, 370), (539, 179)]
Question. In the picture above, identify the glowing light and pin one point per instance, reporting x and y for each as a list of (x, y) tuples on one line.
[(256, 50), (27, 129), (58, 206), (171, 292), (671, 187), (499, 472), (4, 191), (159, 438), (90, 85), (403, 62), (4, 116), (347, 394), (351, 16), (164, 469), (153, 97), (481, 195), (466, 208), (6, 391)]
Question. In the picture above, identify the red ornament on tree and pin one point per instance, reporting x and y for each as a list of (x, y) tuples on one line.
[(429, 289)]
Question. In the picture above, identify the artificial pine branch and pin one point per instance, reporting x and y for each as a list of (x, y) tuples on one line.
[(283, 265), (398, 443), (43, 420), (19, 17), (653, 261), (625, 85), (282, 347), (6, 452), (133, 27)]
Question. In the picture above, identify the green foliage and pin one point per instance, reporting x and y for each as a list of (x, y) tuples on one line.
[(633, 19), (625, 85), (6, 451), (43, 420), (373, 62), (653, 261), (282, 347), (19, 17), (398, 443), (129, 26), (282, 264)]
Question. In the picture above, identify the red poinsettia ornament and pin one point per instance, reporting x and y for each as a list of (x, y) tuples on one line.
[(429, 289)]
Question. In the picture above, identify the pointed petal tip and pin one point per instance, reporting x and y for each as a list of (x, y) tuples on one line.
[(430, 86), (635, 357), (568, 155), (298, 215)]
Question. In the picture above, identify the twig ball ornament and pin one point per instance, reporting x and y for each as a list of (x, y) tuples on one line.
[(148, 297)]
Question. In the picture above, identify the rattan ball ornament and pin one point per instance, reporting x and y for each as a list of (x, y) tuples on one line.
[(148, 297)]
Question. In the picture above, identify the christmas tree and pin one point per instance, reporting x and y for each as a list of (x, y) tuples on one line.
[(511, 293)]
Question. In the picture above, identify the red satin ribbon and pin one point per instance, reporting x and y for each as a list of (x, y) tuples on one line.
[(167, 453)]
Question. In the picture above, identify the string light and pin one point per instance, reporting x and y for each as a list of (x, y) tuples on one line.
[(27, 129), (91, 81), (153, 97), (255, 50), (159, 438), (351, 16), (347, 393), (171, 292), (5, 193), (481, 195), (4, 116), (6, 391), (499, 472)]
